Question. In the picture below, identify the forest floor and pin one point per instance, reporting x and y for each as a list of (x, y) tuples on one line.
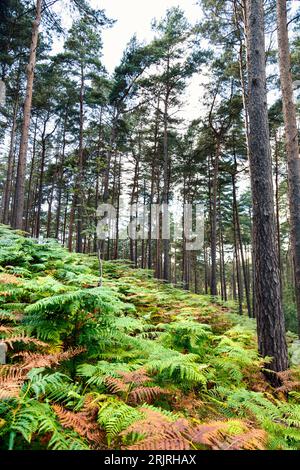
[(134, 364)]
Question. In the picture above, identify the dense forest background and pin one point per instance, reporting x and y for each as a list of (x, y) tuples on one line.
[(73, 136)]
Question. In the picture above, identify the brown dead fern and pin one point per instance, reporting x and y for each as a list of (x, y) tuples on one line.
[(9, 279), (11, 381), (222, 435), (31, 360), (83, 423), (136, 377), (24, 339), (116, 385), (158, 432), (288, 381), (146, 394)]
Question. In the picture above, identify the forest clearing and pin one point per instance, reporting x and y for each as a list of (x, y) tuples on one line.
[(149, 225)]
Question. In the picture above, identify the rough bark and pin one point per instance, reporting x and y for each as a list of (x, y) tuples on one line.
[(20, 183), (268, 308), (292, 142), (10, 161)]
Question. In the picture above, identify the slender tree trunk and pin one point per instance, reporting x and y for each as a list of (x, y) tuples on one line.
[(165, 193), (78, 188), (237, 263), (65, 221), (277, 207), (30, 195), (239, 236), (213, 281), (71, 225), (153, 165), (268, 308), (205, 272), (61, 177), (116, 251), (41, 181), (20, 183), (233, 280), (292, 142), (10, 162)]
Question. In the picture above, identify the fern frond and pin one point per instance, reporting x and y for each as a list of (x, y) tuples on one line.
[(229, 435), (114, 417), (11, 381), (157, 431), (24, 339), (146, 394), (31, 360), (81, 423), (116, 385)]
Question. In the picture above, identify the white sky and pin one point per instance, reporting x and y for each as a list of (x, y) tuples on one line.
[(135, 16)]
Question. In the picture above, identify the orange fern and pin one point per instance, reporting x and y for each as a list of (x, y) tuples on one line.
[(137, 377), (218, 435), (158, 432), (288, 382), (146, 394), (31, 360), (9, 279), (6, 329), (116, 385), (82, 423), (24, 339), (11, 381)]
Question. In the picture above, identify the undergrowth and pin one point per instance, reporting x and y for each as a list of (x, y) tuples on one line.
[(134, 364)]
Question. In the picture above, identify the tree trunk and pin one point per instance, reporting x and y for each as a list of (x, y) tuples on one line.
[(213, 241), (61, 177), (20, 183), (292, 143), (78, 187), (165, 193), (10, 162), (41, 181), (239, 236), (237, 263), (277, 207), (268, 308)]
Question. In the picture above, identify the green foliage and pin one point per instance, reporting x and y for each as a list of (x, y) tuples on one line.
[(149, 353)]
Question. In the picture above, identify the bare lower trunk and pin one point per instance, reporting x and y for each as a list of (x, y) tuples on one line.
[(20, 183), (268, 308), (292, 143), (10, 165)]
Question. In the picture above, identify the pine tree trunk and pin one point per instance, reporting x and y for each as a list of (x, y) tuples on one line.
[(61, 178), (165, 193), (213, 241), (153, 165), (20, 183), (41, 181), (292, 142), (10, 162), (237, 264), (268, 308), (78, 186), (239, 237), (277, 207)]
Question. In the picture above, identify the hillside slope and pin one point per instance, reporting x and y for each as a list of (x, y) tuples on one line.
[(134, 364)]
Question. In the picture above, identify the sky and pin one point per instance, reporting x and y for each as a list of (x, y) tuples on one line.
[(135, 16)]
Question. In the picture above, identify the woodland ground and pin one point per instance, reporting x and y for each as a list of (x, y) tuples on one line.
[(134, 364)]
